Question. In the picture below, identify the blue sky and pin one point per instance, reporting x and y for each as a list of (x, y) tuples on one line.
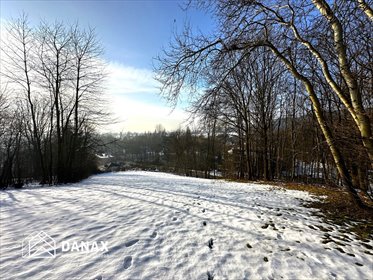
[(132, 33)]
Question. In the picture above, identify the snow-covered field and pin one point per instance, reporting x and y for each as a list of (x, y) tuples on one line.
[(161, 226)]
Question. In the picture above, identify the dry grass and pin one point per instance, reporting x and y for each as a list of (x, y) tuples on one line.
[(335, 201), (336, 205), (339, 207)]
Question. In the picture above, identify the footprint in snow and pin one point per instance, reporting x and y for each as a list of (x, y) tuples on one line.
[(145, 230), (131, 243), (174, 218), (154, 234), (99, 277), (210, 243), (127, 262), (210, 276)]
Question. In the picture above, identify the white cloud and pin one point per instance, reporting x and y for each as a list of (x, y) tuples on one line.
[(129, 80), (137, 116), (125, 84), (132, 99)]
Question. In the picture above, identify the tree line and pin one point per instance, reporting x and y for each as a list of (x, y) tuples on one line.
[(184, 152), (291, 80), (50, 102), (216, 150)]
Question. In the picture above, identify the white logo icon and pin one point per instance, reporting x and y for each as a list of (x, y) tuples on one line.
[(39, 245)]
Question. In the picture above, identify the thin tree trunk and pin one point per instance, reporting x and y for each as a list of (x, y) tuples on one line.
[(357, 111), (337, 156)]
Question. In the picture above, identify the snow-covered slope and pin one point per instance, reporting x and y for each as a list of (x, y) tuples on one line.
[(161, 226)]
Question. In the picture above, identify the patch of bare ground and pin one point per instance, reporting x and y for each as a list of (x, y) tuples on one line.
[(337, 206)]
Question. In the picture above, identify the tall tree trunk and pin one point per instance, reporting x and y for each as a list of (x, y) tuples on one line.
[(337, 156), (356, 108)]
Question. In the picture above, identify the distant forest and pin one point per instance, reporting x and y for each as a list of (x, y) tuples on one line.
[(293, 151)]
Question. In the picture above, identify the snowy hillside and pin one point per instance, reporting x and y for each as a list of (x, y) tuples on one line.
[(139, 225)]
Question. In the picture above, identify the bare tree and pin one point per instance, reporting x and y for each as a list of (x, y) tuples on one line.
[(19, 69), (56, 74), (308, 38)]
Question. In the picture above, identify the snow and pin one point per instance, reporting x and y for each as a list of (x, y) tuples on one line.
[(160, 226)]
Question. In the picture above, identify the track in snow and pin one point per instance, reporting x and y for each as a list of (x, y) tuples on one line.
[(162, 226)]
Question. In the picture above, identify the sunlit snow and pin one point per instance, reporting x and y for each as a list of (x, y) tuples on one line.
[(162, 226)]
